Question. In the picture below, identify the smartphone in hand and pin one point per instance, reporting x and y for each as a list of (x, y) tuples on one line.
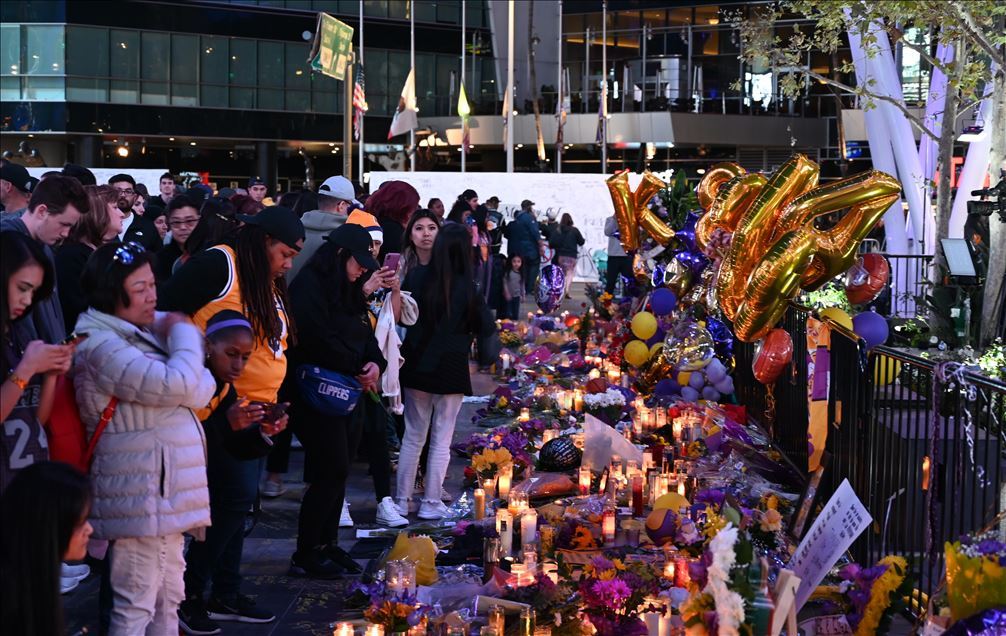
[(392, 260), (74, 338), (272, 411)]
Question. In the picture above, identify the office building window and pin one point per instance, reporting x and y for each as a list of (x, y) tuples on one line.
[(243, 73), (155, 56), (214, 65), (271, 69), (124, 62), (298, 78), (44, 57), (184, 69), (87, 64), (10, 55)]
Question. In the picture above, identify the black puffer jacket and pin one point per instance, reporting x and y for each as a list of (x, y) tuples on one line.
[(566, 241)]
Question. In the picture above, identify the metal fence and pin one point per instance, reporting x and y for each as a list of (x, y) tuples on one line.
[(921, 443)]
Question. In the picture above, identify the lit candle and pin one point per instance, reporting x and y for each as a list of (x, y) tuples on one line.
[(496, 619), (343, 629), (375, 630), (480, 504), (503, 482), (525, 415), (504, 526), (669, 570), (528, 527), (585, 478), (409, 576), (489, 485), (681, 575), (676, 429), (681, 486), (637, 496), (578, 400), (647, 460), (608, 527), (594, 373), (517, 574), (505, 358), (661, 417)]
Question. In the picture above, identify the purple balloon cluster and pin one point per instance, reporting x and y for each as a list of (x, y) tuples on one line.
[(551, 283)]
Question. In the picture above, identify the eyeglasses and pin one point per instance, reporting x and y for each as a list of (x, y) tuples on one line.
[(126, 191), (183, 222), (126, 253)]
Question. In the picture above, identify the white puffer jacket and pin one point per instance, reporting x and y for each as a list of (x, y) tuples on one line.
[(149, 470)]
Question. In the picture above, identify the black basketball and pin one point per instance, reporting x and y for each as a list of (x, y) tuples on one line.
[(559, 455)]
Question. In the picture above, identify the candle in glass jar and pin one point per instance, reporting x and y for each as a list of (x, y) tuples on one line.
[(676, 429), (647, 460), (608, 527), (669, 570), (681, 486), (480, 504), (577, 400), (505, 359), (375, 630), (681, 575), (525, 415), (343, 629), (585, 478), (637, 496), (504, 526), (503, 482), (489, 485), (594, 373), (528, 527)]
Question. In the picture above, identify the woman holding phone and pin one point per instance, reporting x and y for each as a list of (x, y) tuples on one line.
[(334, 333)]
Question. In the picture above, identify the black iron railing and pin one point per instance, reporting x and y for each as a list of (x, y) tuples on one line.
[(923, 444)]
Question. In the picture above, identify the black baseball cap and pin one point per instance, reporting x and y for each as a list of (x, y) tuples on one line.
[(357, 240), (18, 176), (280, 223), (256, 181)]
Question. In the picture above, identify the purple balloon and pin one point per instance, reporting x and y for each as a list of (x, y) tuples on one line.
[(719, 331), (688, 394), (871, 327), (725, 386), (657, 337), (657, 277), (548, 293), (696, 380), (711, 394), (667, 387), (715, 371), (663, 301), (694, 261), (686, 235)]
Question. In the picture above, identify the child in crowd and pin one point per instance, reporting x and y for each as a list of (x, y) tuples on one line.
[(513, 286), (45, 512), (237, 437)]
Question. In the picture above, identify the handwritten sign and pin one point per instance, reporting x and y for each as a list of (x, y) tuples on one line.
[(843, 519), (835, 625)]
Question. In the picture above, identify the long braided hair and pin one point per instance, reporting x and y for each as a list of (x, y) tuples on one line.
[(259, 289)]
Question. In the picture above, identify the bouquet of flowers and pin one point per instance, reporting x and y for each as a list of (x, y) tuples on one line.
[(869, 596), (607, 406), (396, 611), (613, 595), (575, 534), (488, 463), (976, 573), (556, 605)]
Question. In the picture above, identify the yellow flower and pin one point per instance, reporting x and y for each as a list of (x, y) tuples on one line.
[(583, 539), (714, 523), (880, 594), (502, 402), (771, 520), (771, 502), (491, 460)]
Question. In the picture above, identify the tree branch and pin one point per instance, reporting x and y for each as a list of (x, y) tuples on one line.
[(912, 117), (921, 50), (974, 31)]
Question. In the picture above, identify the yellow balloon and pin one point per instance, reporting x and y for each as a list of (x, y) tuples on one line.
[(886, 370), (632, 209), (838, 315), (656, 349), (671, 501), (636, 353), (644, 325)]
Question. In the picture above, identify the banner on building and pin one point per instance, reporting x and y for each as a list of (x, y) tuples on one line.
[(331, 47)]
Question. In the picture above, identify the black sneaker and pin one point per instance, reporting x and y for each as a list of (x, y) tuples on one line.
[(239, 608), (316, 565), (193, 619), (342, 559)]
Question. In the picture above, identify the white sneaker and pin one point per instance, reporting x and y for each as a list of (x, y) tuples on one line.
[(402, 505), (432, 510), (388, 514), (272, 488), (345, 521), (68, 571)]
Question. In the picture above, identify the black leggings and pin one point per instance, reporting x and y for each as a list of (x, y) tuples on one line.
[(329, 447), (375, 446)]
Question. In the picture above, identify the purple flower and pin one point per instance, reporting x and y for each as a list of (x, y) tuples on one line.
[(612, 593), (712, 496)]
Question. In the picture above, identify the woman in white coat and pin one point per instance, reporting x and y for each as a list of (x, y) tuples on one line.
[(149, 468)]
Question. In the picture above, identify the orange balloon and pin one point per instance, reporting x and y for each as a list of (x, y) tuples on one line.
[(877, 271), (632, 209), (733, 200), (714, 178), (775, 353)]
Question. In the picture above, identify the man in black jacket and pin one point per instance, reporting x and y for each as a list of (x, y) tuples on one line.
[(134, 227)]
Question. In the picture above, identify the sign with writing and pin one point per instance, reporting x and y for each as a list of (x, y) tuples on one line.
[(583, 195), (842, 520), (332, 46), (834, 625)]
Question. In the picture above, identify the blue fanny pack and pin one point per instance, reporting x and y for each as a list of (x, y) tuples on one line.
[(328, 392)]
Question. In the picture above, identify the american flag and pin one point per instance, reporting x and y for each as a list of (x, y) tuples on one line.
[(359, 104)]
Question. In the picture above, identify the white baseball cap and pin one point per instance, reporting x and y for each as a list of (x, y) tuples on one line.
[(338, 187)]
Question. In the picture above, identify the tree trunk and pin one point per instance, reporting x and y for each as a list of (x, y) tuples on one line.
[(942, 297), (992, 303)]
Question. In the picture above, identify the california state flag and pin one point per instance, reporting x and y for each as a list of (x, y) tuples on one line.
[(405, 116)]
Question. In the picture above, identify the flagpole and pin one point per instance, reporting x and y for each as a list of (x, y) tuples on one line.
[(412, 66), (360, 145), (347, 122), (464, 148), (558, 147), (509, 87), (604, 87)]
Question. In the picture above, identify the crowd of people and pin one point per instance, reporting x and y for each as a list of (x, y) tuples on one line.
[(192, 335)]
